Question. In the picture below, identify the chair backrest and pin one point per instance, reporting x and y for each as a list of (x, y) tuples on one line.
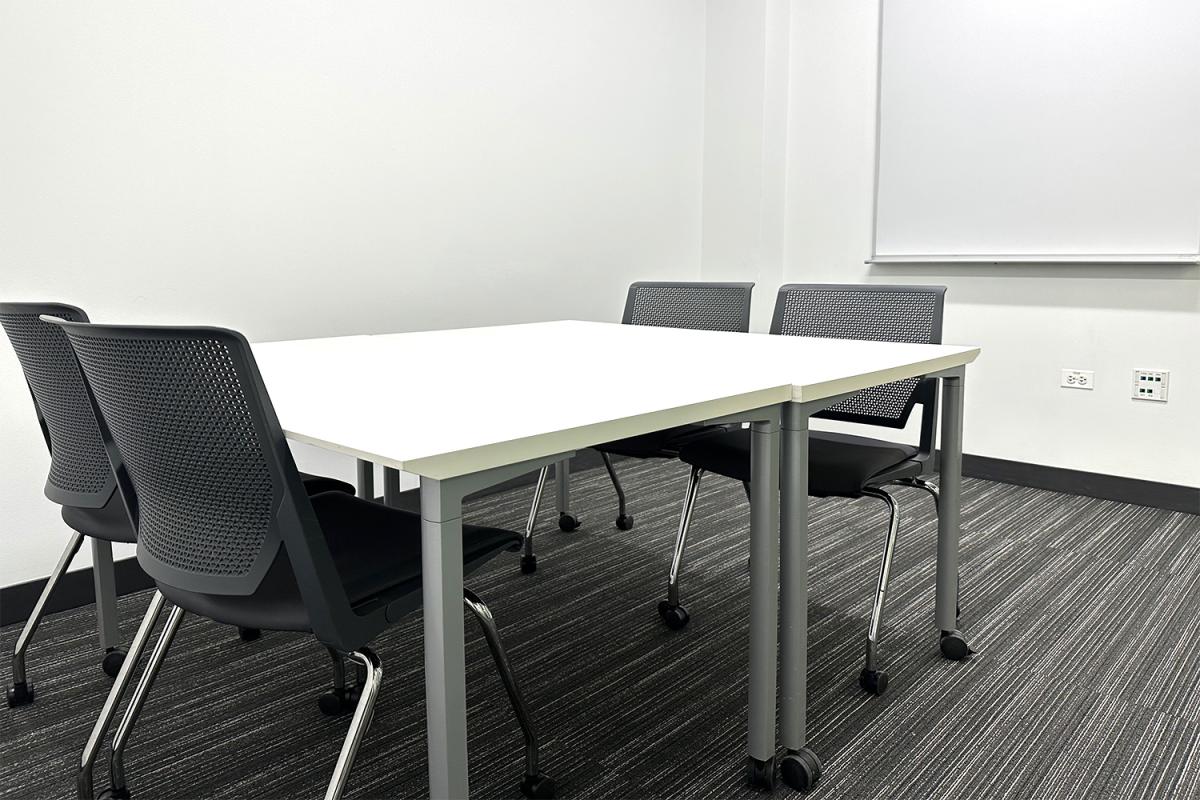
[(872, 312), (699, 306), (80, 474), (200, 448)]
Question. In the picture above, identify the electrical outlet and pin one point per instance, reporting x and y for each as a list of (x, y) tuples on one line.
[(1151, 384), (1078, 379)]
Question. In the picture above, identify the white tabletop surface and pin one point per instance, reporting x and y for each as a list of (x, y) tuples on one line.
[(447, 403)]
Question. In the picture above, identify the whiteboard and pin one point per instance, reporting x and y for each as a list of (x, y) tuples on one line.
[(1038, 130)]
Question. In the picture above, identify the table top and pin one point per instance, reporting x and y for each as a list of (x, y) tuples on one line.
[(446, 403)]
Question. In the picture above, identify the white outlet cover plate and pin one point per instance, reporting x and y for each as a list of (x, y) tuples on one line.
[(1078, 379), (1151, 384)]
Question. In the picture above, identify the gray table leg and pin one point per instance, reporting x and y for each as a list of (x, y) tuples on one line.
[(562, 483), (445, 658), (366, 479), (953, 645), (104, 575), (764, 600), (800, 767), (391, 486)]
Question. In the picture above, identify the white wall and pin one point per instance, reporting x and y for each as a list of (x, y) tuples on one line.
[(1030, 321), (311, 168)]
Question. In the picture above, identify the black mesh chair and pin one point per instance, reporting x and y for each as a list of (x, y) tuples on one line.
[(695, 306), (843, 465), (80, 478), (228, 532)]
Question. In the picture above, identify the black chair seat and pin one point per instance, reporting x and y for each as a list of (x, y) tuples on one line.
[(839, 465), (315, 484), (659, 444), (377, 552), (111, 522)]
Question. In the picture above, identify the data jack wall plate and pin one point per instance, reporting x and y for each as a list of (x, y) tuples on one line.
[(1151, 384)]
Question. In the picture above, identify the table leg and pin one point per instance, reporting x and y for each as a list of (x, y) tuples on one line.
[(366, 479), (562, 482), (391, 486), (764, 600), (105, 578), (445, 656), (953, 644), (800, 767)]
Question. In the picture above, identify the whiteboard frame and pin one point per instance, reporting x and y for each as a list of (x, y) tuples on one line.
[(1168, 259)]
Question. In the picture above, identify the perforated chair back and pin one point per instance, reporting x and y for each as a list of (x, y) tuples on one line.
[(698, 306), (185, 417), (869, 312), (80, 474)]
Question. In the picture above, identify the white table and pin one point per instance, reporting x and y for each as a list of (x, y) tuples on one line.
[(455, 408)]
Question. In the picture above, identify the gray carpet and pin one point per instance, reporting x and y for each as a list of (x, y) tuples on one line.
[(1084, 613)]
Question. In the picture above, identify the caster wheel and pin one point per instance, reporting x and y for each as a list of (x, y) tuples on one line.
[(801, 769), (538, 786), (761, 774), (625, 522), (249, 634), (20, 694), (336, 702), (567, 523), (954, 646), (113, 660), (528, 564), (114, 794), (676, 617), (873, 681)]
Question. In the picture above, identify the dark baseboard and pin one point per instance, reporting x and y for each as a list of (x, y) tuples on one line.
[(77, 589), (1090, 484)]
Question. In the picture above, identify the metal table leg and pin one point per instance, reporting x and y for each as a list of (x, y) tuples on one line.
[(954, 646), (562, 482), (800, 767), (366, 479), (391, 486), (445, 658), (764, 600), (104, 575)]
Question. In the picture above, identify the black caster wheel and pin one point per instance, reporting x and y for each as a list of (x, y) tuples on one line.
[(113, 659), (676, 617), (336, 702), (114, 794), (625, 522), (801, 769), (954, 646), (761, 774), (20, 694), (567, 523), (873, 681), (538, 786), (249, 634), (528, 564)]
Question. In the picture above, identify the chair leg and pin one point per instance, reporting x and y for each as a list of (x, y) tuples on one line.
[(21, 693), (624, 521), (672, 612), (534, 784), (340, 698), (116, 764), (872, 678), (363, 712), (528, 559), (83, 778)]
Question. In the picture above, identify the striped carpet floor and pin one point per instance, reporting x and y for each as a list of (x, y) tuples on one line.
[(1084, 613)]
